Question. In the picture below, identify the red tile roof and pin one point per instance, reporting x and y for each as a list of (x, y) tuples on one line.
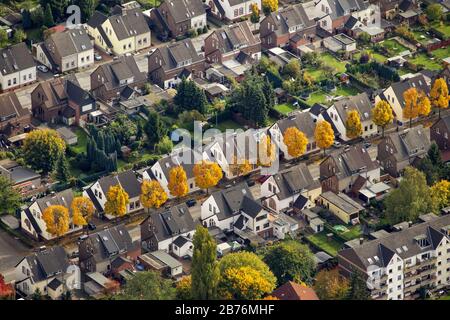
[(294, 291)]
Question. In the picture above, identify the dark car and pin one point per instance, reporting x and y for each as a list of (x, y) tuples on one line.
[(163, 36), (263, 178), (191, 202), (367, 145), (250, 183), (91, 226)]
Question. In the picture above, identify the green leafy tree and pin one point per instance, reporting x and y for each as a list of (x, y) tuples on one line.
[(3, 38), (48, 17), (292, 69), (291, 261), (19, 36), (164, 146), (147, 285), (62, 169), (358, 287), (154, 128), (190, 97), (87, 8), (434, 12), (37, 17), (58, 8), (9, 197), (205, 271)]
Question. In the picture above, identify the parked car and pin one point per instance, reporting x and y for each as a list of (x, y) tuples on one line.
[(163, 36), (337, 144), (91, 226), (367, 145), (250, 183), (42, 68), (97, 57), (191, 202)]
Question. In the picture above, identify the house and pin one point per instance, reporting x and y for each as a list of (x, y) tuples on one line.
[(340, 42), (46, 271), (235, 209), (394, 94), (125, 31), (185, 157), (171, 231), (279, 27), (61, 101), (14, 118), (289, 186), (338, 113), (162, 261), (283, 226), (98, 251), (235, 41), (22, 178), (64, 51), (294, 291), (348, 170), (304, 122), (312, 218), (17, 67), (398, 150), (397, 266), (168, 65), (233, 10), (31, 219), (179, 16), (439, 133), (109, 80), (127, 180), (342, 206), (388, 8)]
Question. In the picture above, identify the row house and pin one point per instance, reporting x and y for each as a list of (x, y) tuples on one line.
[(62, 100), (14, 118), (439, 133), (233, 10), (17, 67), (169, 64), (125, 31), (398, 150), (127, 180), (400, 264), (65, 51)]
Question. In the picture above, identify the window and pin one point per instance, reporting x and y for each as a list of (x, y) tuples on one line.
[(210, 207), (131, 205), (261, 217), (236, 12), (399, 277), (241, 11)]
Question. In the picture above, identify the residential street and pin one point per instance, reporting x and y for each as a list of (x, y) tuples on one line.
[(11, 252)]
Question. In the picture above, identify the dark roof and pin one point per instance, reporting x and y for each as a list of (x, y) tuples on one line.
[(185, 157), (419, 82), (294, 180), (48, 263), (251, 207), (15, 58), (78, 95), (97, 19), (219, 7), (290, 17), (300, 202), (123, 68), (240, 222), (68, 42), (32, 221), (360, 103), (11, 107), (410, 142), (180, 241), (294, 291), (235, 37), (94, 200), (403, 243), (405, 5), (127, 180), (317, 109), (351, 22), (63, 198), (129, 23), (229, 201), (54, 284), (300, 120), (182, 10), (178, 54)]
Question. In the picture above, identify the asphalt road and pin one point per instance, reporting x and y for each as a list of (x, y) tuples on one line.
[(11, 252)]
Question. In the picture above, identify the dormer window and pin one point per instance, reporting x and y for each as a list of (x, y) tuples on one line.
[(422, 241)]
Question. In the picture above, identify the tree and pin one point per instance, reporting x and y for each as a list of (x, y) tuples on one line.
[(324, 135), (434, 12), (424, 105), (56, 219), (147, 285), (42, 148), (291, 261), (353, 126), (292, 69), (266, 152), (205, 271), (62, 169), (154, 128), (152, 194), (19, 36), (411, 199), (296, 141), (245, 283), (37, 16), (358, 287), (116, 201), (59, 8), (432, 165), (190, 97), (254, 17), (6, 289), (440, 194), (26, 19), (48, 17), (3, 38), (178, 185), (82, 210), (240, 167), (439, 95), (330, 285), (269, 6), (87, 8), (184, 288), (411, 109), (164, 146), (382, 114), (10, 199), (364, 38), (207, 174), (218, 105)]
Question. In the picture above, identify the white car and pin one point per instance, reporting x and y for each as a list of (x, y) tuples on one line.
[(42, 68), (97, 57)]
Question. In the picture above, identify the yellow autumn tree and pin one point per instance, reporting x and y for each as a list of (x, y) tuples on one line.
[(295, 141), (440, 193), (382, 114), (424, 104), (269, 6), (178, 185), (245, 283), (330, 285), (266, 152), (56, 219), (324, 135), (116, 201), (439, 95), (207, 174), (183, 288), (82, 210), (411, 109), (240, 167), (353, 126), (152, 194)]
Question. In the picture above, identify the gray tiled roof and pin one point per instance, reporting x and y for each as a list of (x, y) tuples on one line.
[(291, 16), (294, 180), (15, 58), (413, 141), (129, 24), (63, 198), (126, 179), (178, 52), (229, 201), (360, 103), (48, 263), (235, 36), (182, 10), (69, 42), (300, 120), (116, 70), (10, 106)]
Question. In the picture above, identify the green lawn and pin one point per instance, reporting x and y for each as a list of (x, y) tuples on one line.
[(317, 97), (285, 108), (393, 46), (330, 246), (421, 36), (346, 91), (444, 28), (82, 140), (321, 96), (147, 4), (441, 53), (375, 55), (353, 233), (423, 59), (327, 59)]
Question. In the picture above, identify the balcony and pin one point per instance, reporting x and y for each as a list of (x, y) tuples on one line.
[(421, 263)]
